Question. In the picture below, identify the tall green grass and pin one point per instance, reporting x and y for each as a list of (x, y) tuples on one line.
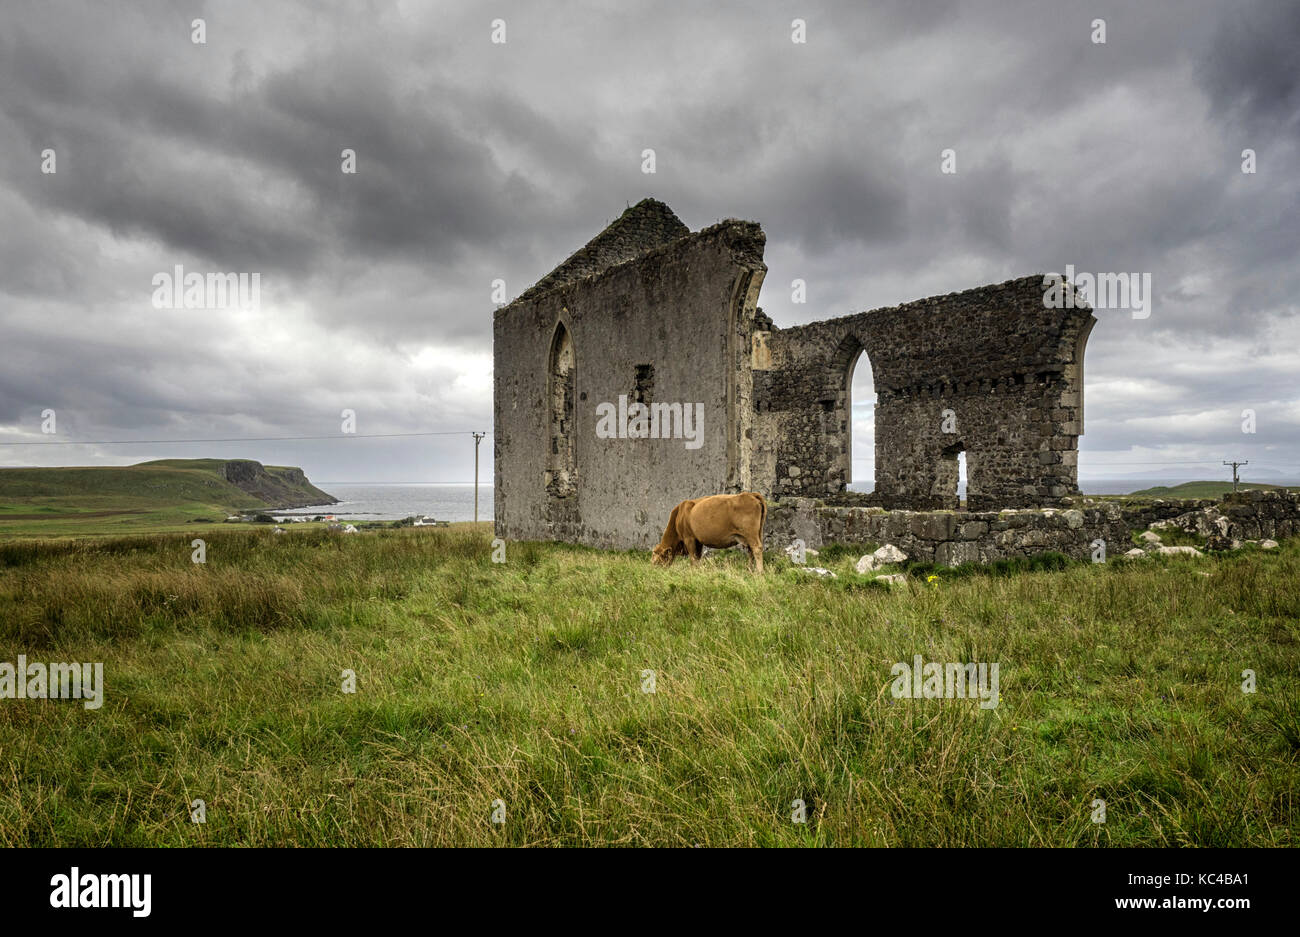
[(523, 682)]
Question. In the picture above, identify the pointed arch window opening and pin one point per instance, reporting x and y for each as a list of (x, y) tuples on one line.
[(561, 474), (859, 430)]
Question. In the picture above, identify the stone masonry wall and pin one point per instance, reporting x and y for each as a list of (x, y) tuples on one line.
[(1247, 515), (1009, 370), (955, 537), (671, 325), (949, 537), (643, 227)]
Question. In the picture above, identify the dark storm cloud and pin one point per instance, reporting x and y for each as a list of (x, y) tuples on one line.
[(161, 160), (479, 161), (1251, 68)]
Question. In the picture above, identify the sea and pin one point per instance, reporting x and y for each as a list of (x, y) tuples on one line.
[(455, 502), (443, 502)]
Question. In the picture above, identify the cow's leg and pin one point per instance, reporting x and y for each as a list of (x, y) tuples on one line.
[(694, 549), (755, 548)]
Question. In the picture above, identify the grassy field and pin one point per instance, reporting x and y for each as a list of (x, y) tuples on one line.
[(523, 682)]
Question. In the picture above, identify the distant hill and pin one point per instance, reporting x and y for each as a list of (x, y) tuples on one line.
[(275, 486), (1202, 489), (164, 494)]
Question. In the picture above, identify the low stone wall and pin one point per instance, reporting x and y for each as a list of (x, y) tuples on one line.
[(1247, 515), (948, 537), (1142, 514), (955, 537)]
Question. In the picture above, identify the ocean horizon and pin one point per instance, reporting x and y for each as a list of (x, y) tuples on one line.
[(386, 501)]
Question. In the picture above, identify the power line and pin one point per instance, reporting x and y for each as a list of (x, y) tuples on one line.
[(1206, 462), (1093, 464), (159, 442)]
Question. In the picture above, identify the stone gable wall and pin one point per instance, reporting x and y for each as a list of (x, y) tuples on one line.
[(642, 227), (683, 313)]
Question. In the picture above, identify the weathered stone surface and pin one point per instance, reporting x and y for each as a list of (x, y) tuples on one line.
[(1245, 516), (1179, 551), (1009, 520), (1150, 536), (954, 553), (933, 526), (890, 554), (642, 228), (1268, 545), (989, 372), (894, 579), (647, 311), (1034, 531), (884, 556), (792, 552)]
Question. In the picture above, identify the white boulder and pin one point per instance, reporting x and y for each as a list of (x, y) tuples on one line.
[(1179, 551), (882, 557)]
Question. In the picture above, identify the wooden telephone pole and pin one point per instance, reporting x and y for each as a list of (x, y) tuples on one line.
[(1234, 473), (478, 438)]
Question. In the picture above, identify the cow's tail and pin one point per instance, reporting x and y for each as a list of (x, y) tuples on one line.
[(762, 512)]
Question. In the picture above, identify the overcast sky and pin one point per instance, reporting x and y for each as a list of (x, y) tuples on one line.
[(479, 160)]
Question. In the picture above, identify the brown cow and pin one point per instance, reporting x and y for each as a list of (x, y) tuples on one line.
[(718, 521)]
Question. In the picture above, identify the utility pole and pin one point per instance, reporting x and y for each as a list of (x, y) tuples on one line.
[(478, 438), (1234, 473)]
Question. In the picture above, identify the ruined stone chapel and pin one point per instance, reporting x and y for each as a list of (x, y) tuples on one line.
[(641, 371)]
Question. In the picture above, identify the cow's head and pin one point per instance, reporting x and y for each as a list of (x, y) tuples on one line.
[(670, 544), (663, 555)]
